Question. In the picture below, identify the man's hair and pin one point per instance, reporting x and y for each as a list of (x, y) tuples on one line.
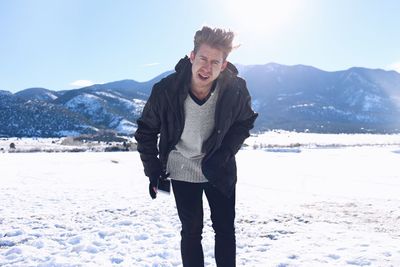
[(216, 38)]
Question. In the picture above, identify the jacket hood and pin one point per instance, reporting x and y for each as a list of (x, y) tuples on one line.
[(185, 63)]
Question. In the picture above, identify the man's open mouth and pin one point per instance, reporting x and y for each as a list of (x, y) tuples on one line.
[(203, 77)]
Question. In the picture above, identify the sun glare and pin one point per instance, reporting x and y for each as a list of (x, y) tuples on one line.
[(262, 16), (395, 67)]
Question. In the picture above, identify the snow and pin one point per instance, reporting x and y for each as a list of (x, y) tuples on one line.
[(30, 144), (67, 133), (303, 105), (126, 127), (136, 105), (338, 111), (108, 95), (91, 103), (139, 105), (372, 102), (51, 96), (123, 126), (333, 206), (50, 145), (128, 104), (312, 140)]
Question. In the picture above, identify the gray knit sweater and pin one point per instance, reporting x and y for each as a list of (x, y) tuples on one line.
[(184, 162)]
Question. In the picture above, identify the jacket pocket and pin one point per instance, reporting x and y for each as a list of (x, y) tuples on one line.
[(220, 171)]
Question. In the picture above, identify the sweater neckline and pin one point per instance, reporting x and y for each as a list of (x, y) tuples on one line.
[(201, 102)]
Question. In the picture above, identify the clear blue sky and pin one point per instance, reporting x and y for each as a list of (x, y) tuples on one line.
[(57, 43)]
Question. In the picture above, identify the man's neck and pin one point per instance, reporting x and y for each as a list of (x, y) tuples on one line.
[(200, 92)]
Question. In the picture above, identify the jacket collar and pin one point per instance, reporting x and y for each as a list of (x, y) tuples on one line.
[(181, 84)]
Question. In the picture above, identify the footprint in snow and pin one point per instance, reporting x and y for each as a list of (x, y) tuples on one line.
[(14, 233), (6, 243), (359, 262), (293, 257), (262, 249), (161, 241), (333, 256), (14, 251), (38, 244), (387, 254), (74, 241), (116, 260), (91, 249), (270, 236), (60, 226), (103, 234), (77, 249), (142, 237), (125, 223)]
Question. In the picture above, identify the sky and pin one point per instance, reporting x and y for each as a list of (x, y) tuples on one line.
[(66, 44)]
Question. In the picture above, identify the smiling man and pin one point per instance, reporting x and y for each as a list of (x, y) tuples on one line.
[(202, 115)]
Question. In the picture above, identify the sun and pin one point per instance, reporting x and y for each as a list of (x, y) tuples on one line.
[(262, 16)]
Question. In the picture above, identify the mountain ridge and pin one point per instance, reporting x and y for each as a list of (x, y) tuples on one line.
[(296, 98)]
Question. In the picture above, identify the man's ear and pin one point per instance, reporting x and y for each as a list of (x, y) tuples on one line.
[(192, 56), (224, 64)]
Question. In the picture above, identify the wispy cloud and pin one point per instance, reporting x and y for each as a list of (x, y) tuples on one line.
[(395, 66), (151, 64), (81, 83)]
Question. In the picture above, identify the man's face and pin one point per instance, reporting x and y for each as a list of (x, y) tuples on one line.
[(207, 64)]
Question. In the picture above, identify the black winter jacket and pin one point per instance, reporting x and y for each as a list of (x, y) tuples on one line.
[(163, 115)]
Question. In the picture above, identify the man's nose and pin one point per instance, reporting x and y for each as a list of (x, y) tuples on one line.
[(207, 66)]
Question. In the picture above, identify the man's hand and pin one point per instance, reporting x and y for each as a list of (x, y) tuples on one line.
[(153, 190), (154, 184)]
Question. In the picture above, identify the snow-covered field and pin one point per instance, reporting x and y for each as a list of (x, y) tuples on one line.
[(307, 206), (312, 140), (54, 145)]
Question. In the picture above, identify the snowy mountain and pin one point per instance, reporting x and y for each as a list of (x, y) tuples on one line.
[(36, 118), (304, 98), (3, 93), (106, 109), (41, 94), (296, 98), (115, 106)]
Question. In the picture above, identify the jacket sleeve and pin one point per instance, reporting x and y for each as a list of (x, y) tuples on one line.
[(243, 123), (147, 132)]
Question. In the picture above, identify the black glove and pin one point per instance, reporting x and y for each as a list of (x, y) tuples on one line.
[(152, 187), (154, 184)]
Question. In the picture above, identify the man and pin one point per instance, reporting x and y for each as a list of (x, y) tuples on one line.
[(202, 114)]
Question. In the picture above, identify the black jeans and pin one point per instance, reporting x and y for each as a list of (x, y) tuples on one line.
[(189, 202)]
